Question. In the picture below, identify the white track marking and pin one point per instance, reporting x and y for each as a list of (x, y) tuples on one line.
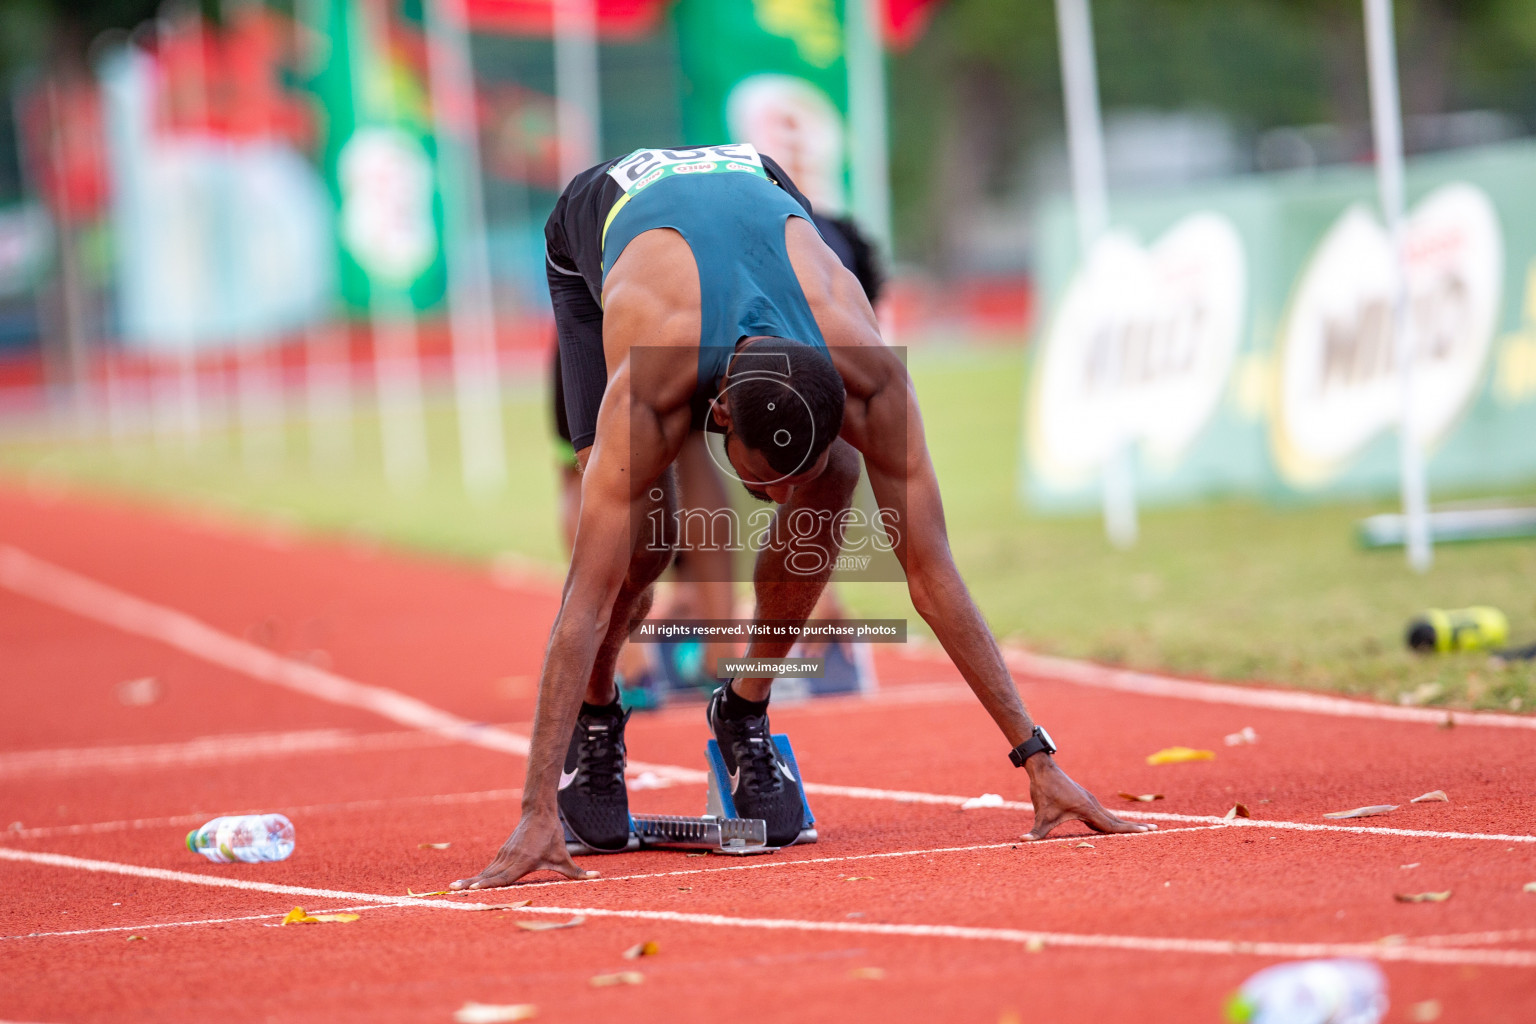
[(221, 882), (207, 750), (186, 924), (42, 581), (134, 824), (1137, 943), (1150, 684), (1475, 938), (72, 592)]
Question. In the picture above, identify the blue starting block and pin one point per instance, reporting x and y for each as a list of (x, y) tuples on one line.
[(720, 803)]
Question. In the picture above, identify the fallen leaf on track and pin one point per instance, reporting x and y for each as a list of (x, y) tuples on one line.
[(985, 800), (135, 938), (492, 1013), (1245, 735), (1423, 897), (619, 978), (440, 892), (1237, 811), (1144, 798), (1179, 755), (867, 974), (549, 926), (505, 906), (1435, 796), (1363, 812), (641, 949), (433, 846), (1034, 945), (298, 916), (859, 878), (1529, 887), (698, 855), (1424, 1013), (1405, 867)]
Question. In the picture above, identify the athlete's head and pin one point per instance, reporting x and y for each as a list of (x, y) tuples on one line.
[(781, 406)]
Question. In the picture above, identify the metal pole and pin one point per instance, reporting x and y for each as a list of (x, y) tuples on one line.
[(578, 111), (1090, 193), (1387, 126), (869, 155), (471, 310)]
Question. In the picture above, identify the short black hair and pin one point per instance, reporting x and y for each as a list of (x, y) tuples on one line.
[(786, 401)]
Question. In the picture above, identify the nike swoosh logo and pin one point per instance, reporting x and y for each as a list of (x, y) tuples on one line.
[(787, 773), (735, 780), (566, 778)]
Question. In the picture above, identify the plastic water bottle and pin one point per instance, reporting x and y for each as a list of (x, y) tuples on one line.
[(1458, 629), (248, 838), (1312, 992)]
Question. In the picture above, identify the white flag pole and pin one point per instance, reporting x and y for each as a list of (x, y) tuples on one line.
[(1387, 125), (578, 111), (869, 155), (1090, 193), (471, 310)]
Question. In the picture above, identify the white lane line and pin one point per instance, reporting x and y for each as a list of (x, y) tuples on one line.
[(207, 750), (1474, 938), (220, 882), (134, 824), (1138, 943), (72, 592), (1150, 684), (185, 924), (50, 584)]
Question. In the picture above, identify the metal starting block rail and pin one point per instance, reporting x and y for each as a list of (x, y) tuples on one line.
[(719, 831)]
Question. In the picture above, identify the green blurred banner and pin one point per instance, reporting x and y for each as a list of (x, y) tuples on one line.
[(379, 157), (772, 73), (1239, 336)]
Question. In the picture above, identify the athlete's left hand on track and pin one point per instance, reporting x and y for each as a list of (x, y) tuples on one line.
[(1058, 799), (538, 844)]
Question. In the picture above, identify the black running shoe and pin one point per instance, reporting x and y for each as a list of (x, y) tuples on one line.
[(593, 801), (762, 783)]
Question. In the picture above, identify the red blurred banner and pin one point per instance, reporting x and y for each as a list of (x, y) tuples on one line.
[(904, 20)]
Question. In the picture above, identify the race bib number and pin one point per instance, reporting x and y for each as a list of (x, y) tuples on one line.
[(645, 167)]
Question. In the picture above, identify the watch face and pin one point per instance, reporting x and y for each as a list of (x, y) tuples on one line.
[(1050, 744)]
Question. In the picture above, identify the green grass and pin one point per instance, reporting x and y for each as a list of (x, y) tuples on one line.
[(1232, 589)]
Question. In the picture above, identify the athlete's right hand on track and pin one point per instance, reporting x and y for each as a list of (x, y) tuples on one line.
[(537, 844)]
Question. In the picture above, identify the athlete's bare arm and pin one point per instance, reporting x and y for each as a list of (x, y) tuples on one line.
[(881, 419), (640, 428)]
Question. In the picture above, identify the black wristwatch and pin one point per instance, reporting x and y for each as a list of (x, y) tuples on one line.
[(1038, 741)]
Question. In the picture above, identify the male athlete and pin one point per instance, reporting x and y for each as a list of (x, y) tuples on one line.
[(690, 288)]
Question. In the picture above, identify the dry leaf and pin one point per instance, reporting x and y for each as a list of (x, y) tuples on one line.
[(1529, 887), (985, 800), (298, 916), (1237, 811), (859, 878), (492, 1013), (1245, 735), (1363, 812), (1083, 846), (433, 846), (867, 974), (641, 949), (698, 855), (440, 892), (1179, 755), (1033, 944), (1426, 1012), (504, 906), (135, 938), (619, 978), (1434, 796), (1423, 897), (549, 926), (685, 888), (1144, 798), (1406, 867)]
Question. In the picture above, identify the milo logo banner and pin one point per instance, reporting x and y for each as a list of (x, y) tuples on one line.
[(1240, 340), (770, 73)]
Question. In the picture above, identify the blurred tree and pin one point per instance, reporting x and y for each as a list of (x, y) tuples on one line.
[(983, 86)]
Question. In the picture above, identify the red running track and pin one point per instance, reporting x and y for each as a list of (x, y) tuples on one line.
[(908, 909)]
